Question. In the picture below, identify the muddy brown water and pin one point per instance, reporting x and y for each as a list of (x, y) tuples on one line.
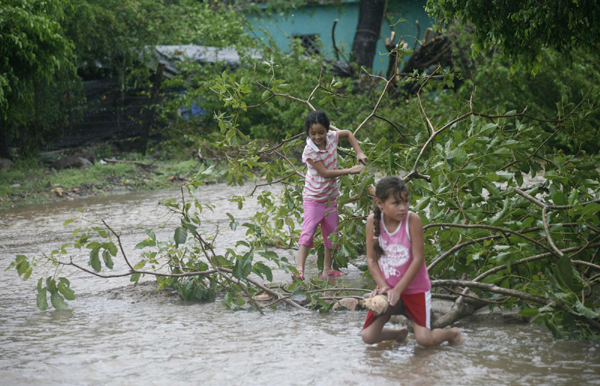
[(114, 334)]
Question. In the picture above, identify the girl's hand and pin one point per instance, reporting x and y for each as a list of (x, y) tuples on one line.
[(378, 291), (356, 169), (393, 295), (361, 158)]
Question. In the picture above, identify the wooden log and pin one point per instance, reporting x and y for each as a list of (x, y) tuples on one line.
[(349, 303), (380, 306), (428, 32), (137, 163)]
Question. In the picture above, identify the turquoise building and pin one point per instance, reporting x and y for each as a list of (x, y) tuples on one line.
[(316, 21)]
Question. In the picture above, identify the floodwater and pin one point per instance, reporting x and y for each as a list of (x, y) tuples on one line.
[(114, 334)]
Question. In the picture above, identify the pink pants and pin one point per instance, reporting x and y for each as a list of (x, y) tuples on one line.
[(318, 213)]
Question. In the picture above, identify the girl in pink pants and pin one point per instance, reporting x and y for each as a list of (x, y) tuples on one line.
[(320, 187)]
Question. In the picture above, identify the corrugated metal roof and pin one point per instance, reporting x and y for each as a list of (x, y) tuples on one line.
[(201, 54)]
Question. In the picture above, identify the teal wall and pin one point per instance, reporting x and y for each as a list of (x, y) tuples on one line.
[(319, 20)]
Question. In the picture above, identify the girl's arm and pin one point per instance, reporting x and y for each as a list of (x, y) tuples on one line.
[(324, 172), (371, 262), (415, 226), (360, 156)]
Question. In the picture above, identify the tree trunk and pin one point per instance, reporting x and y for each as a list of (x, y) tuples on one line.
[(370, 18), (121, 101), (149, 116), (32, 132), (4, 151)]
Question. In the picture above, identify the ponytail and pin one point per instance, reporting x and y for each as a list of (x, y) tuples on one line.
[(376, 229)]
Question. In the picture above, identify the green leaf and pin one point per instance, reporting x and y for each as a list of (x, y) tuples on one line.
[(150, 234), (112, 248), (58, 302), (502, 151), (232, 223), (559, 198), (552, 326), (584, 311), (107, 260), (66, 291), (270, 255), (22, 266), (42, 300), (504, 176), (101, 232), (589, 208), (565, 270), (51, 284), (227, 300), (260, 269), (135, 277), (529, 312), (144, 244), (28, 273), (92, 244), (95, 259), (189, 226), (180, 236), (422, 204), (243, 266)]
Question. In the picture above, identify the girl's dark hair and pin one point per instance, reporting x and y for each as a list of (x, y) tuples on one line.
[(388, 186), (316, 116)]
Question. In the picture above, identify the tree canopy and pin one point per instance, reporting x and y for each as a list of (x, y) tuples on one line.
[(33, 48), (522, 28), (47, 47)]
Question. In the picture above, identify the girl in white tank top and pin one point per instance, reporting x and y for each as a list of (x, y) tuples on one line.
[(396, 261)]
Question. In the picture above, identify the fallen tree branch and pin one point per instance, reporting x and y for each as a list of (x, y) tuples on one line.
[(528, 260), (478, 226), (513, 293)]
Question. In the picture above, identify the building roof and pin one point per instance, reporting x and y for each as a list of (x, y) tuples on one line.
[(169, 55)]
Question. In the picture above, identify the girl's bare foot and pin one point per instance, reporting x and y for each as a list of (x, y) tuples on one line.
[(457, 340), (402, 334)]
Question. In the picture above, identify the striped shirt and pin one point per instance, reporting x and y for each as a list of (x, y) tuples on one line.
[(316, 187)]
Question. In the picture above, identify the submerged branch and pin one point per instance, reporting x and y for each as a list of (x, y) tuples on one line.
[(494, 289)]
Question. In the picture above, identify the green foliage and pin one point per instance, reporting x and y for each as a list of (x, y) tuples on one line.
[(563, 88), (32, 48), (43, 42), (36, 72), (218, 91), (523, 28), (194, 268), (470, 173)]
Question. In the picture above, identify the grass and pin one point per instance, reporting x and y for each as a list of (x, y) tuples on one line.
[(29, 182)]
